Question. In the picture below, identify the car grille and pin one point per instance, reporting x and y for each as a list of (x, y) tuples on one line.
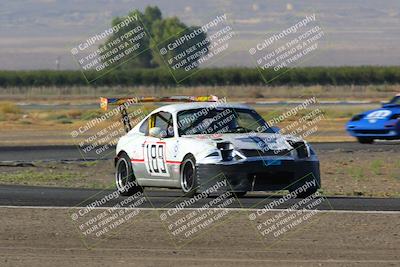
[(276, 180), (372, 131), (263, 153)]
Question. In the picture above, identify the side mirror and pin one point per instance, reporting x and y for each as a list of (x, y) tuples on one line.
[(157, 132)]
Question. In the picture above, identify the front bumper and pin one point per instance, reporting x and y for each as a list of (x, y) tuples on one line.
[(377, 134), (384, 130), (259, 175)]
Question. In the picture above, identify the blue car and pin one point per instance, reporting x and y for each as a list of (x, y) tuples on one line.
[(382, 123)]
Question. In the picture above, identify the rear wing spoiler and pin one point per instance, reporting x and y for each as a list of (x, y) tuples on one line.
[(106, 102), (123, 103)]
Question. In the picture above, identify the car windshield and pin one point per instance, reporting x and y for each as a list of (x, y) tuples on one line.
[(220, 120), (395, 101)]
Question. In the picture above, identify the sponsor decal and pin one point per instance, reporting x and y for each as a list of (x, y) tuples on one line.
[(378, 115)]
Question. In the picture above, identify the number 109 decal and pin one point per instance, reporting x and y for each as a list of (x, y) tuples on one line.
[(155, 159)]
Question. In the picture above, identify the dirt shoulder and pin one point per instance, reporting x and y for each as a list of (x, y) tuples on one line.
[(47, 237), (343, 173), (56, 127)]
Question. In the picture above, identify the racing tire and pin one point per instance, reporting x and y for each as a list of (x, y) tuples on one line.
[(188, 176), (306, 193), (365, 140), (125, 179)]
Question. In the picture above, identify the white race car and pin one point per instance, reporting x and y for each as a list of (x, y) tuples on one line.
[(194, 145)]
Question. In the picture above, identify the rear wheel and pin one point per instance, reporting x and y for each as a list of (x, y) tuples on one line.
[(188, 176), (124, 177), (365, 140)]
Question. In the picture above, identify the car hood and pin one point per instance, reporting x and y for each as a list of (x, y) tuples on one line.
[(383, 113), (252, 141)]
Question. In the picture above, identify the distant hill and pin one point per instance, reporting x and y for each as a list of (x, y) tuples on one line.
[(34, 33)]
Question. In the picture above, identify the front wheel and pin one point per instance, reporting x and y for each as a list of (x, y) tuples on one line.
[(365, 140), (188, 176), (124, 177)]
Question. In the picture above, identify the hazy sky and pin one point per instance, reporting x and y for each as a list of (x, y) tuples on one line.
[(34, 33)]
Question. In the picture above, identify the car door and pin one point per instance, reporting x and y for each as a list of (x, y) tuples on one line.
[(137, 144), (157, 150)]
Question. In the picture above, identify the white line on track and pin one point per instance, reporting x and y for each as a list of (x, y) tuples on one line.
[(191, 209)]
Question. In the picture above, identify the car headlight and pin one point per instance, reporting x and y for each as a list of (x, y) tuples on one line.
[(301, 147)]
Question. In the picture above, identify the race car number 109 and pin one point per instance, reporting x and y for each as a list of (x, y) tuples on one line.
[(187, 145)]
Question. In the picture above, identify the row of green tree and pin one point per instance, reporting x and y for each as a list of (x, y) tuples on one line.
[(218, 76), (160, 30)]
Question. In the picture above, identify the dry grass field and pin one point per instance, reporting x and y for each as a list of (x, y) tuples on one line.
[(52, 123), (327, 239)]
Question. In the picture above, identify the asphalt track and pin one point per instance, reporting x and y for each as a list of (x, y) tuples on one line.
[(15, 195), (58, 153)]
